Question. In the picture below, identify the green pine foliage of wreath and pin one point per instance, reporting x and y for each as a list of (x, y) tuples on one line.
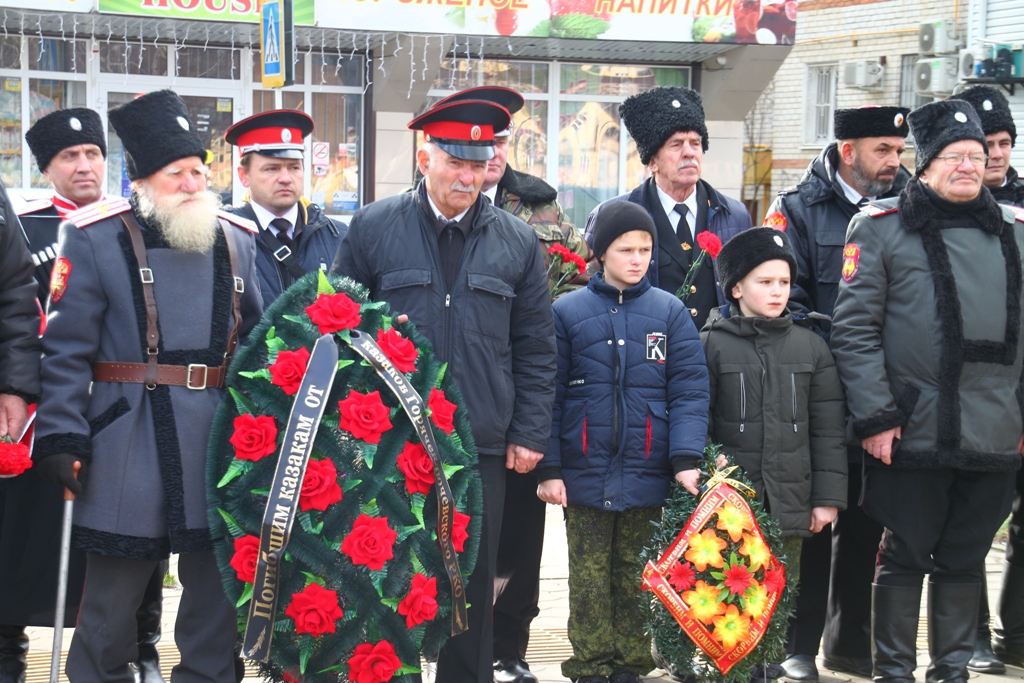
[(371, 482), (673, 645)]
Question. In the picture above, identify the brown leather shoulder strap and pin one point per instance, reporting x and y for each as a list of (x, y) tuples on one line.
[(146, 276), (238, 285)]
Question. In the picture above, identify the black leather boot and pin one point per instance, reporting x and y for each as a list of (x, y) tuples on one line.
[(147, 669), (1008, 639), (13, 649), (952, 626), (894, 613), (984, 660)]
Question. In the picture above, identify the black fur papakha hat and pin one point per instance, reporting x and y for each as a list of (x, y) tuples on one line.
[(870, 121), (942, 123), (993, 109), (155, 130), (747, 251), (652, 117), (65, 128)]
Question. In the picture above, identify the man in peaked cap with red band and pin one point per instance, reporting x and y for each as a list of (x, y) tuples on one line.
[(472, 279), (295, 236)]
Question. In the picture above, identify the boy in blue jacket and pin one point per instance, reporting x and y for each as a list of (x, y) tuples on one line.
[(631, 410)]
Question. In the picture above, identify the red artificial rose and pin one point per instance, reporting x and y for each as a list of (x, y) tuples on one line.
[(400, 351), (774, 578), (288, 370), (255, 437), (421, 603), (442, 411), (373, 663), (319, 486), (459, 533), (334, 312), (370, 542), (247, 552), (315, 610), (709, 242), (364, 416), (417, 467), (682, 576), (288, 678), (14, 459)]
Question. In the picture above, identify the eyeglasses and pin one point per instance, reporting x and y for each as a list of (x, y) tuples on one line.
[(957, 159)]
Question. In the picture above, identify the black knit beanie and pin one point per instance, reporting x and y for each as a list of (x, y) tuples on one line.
[(747, 251), (616, 219), (64, 128), (155, 130)]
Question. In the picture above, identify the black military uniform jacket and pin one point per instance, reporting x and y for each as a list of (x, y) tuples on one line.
[(1012, 192)]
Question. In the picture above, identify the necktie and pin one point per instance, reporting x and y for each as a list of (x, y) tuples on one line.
[(683, 227), (283, 226)]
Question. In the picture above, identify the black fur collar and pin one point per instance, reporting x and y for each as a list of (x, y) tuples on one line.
[(530, 189), (917, 210)]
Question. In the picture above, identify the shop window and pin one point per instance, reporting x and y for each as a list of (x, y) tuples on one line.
[(51, 54), (198, 62), (335, 185), (10, 132), (46, 96), (618, 79), (132, 58), (588, 156), (820, 103), (257, 72), (10, 52), (524, 77), (334, 69)]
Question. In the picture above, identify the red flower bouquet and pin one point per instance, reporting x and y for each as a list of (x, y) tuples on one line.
[(709, 244), (370, 542), (315, 610), (373, 663), (255, 437), (364, 416), (288, 370), (334, 312), (320, 486), (421, 603), (417, 467), (247, 551), (14, 458), (400, 351), (442, 411), (563, 265)]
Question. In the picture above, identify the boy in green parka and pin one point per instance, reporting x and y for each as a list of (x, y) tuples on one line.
[(776, 400)]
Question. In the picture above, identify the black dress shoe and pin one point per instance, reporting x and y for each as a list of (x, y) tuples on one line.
[(858, 666), (513, 671), (984, 661), (800, 669)]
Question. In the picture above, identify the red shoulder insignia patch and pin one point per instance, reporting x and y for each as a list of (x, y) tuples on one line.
[(243, 223), (98, 211), (876, 211), (776, 220), (37, 205), (59, 278), (851, 261)]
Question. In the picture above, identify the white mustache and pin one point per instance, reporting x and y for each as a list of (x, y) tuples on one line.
[(459, 187), (686, 163)]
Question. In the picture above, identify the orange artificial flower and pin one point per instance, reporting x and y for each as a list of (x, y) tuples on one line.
[(756, 599), (703, 602), (731, 628), (706, 549), (756, 551), (733, 520)]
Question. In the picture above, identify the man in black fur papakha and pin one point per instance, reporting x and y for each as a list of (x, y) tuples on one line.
[(149, 298), (927, 337)]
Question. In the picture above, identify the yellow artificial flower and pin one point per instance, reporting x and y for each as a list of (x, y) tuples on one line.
[(706, 549), (733, 520), (731, 628), (756, 551), (756, 598), (703, 602)]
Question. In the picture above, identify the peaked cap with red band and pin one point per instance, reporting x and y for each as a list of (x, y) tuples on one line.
[(465, 129), (277, 133), (506, 97)]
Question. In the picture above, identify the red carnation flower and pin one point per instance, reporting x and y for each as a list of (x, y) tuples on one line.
[(577, 260), (255, 437), (421, 603), (247, 552), (370, 542), (364, 416), (319, 486), (288, 370), (315, 610), (737, 578), (400, 351), (417, 467), (559, 250), (774, 578), (459, 534), (334, 312), (682, 576), (709, 242), (373, 663), (14, 458), (442, 411)]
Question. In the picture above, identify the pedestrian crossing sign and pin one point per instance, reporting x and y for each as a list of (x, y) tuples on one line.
[(277, 31)]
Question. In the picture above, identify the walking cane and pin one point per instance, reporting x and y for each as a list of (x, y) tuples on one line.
[(62, 580)]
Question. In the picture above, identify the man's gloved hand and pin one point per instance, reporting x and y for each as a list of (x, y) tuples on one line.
[(60, 469)]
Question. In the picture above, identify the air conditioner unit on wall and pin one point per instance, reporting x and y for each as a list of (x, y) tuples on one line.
[(864, 74), (937, 38), (968, 59), (936, 75)]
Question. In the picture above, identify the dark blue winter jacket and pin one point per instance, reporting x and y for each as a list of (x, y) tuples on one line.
[(631, 402)]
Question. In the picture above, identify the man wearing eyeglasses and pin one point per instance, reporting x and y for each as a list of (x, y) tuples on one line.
[(928, 340)]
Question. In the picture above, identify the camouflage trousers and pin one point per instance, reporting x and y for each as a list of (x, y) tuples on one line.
[(606, 617)]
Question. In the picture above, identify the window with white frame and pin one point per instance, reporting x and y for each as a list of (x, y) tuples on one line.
[(820, 101), (908, 94)]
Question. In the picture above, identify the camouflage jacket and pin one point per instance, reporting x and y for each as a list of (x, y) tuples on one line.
[(534, 201)]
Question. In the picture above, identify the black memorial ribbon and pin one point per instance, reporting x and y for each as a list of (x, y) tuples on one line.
[(282, 505), (414, 407)]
